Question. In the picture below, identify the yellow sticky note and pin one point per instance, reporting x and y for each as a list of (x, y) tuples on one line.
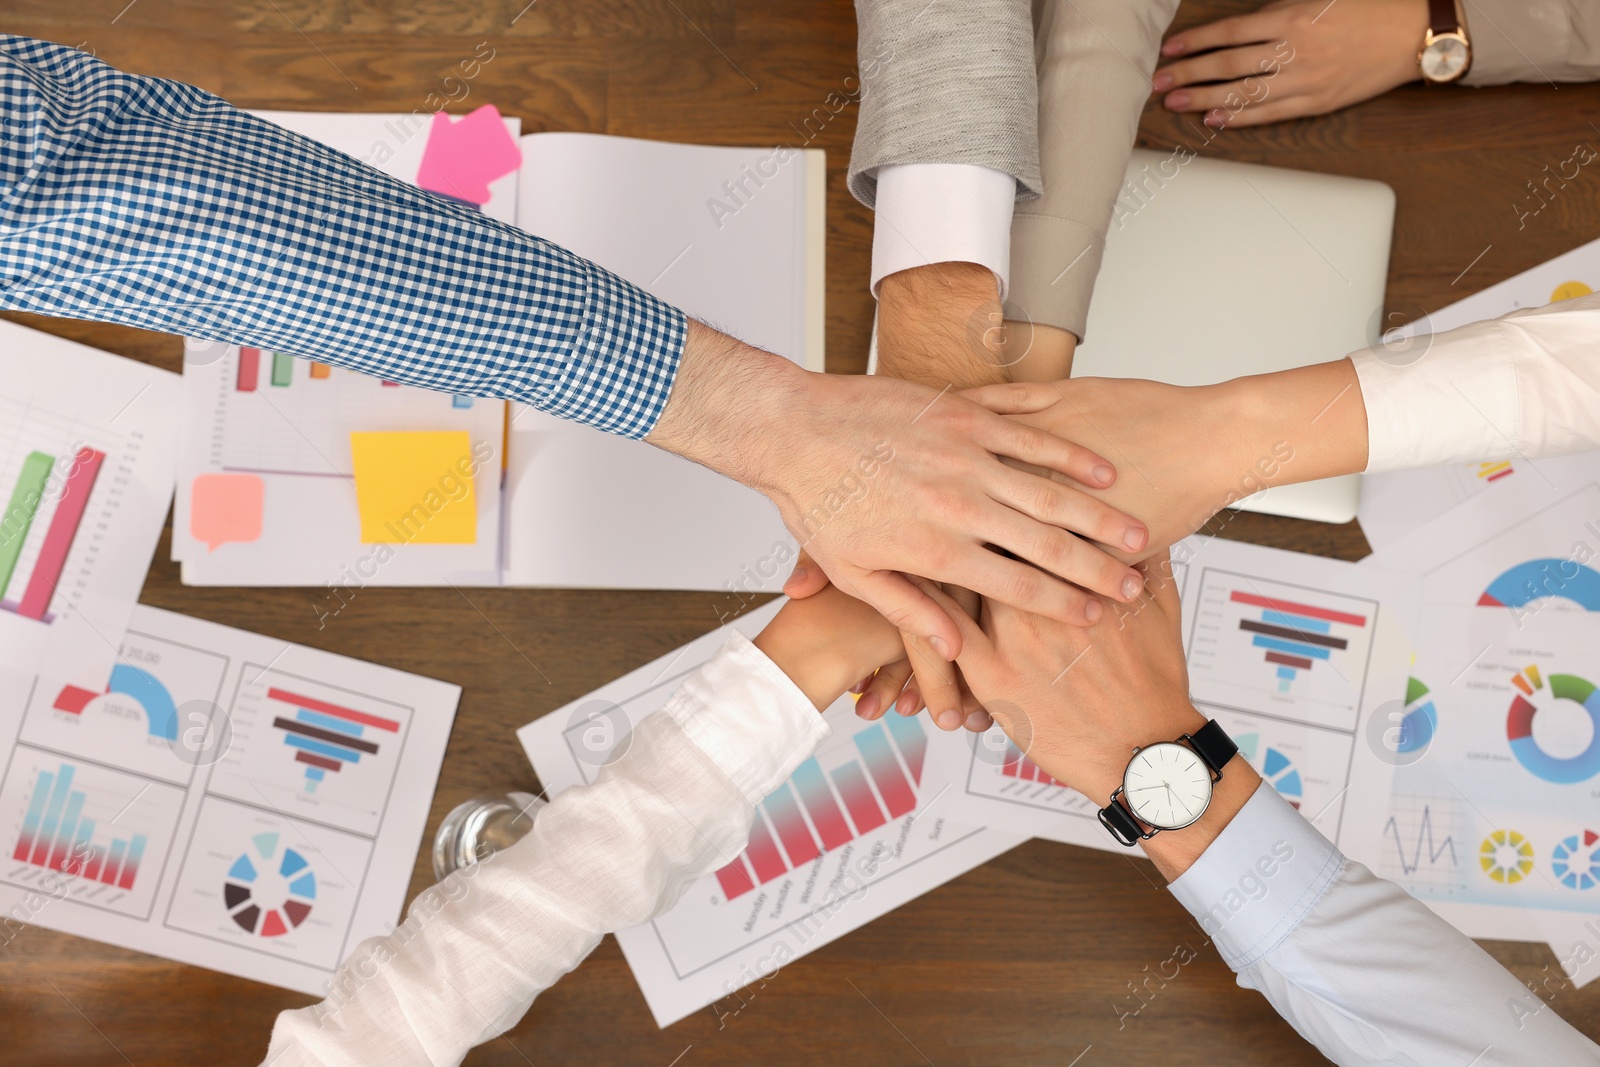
[(416, 488)]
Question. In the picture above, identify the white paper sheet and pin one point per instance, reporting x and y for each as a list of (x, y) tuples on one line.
[(99, 429), (1303, 733), (200, 833), (1396, 503), (295, 438), (590, 510), (765, 910)]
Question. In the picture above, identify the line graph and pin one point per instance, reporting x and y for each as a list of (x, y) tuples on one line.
[(1419, 844)]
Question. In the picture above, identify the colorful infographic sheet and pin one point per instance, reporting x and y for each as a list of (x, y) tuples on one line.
[(1293, 654), (224, 799), (858, 830), (86, 457), (1494, 814), (1396, 503)]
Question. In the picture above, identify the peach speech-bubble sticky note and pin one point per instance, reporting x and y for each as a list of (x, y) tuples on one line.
[(225, 507), (416, 487)]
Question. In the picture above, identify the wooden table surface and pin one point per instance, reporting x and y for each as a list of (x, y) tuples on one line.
[(1022, 961)]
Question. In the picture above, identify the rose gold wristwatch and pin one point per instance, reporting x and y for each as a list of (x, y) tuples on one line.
[(1446, 53)]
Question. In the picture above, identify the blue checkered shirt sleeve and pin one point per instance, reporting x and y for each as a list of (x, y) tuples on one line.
[(151, 203)]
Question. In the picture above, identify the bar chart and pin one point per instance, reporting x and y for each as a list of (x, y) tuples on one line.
[(311, 748), (281, 413), (49, 497), (1001, 786), (822, 809), (102, 832), (1280, 648)]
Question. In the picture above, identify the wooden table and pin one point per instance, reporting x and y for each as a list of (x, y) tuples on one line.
[(1023, 960)]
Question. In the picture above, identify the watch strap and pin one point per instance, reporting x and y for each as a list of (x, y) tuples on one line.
[(1117, 819), (1212, 744), (1442, 17)]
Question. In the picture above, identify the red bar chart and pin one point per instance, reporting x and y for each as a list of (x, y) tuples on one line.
[(819, 810), (57, 835), (63, 531), (249, 372), (1017, 765)]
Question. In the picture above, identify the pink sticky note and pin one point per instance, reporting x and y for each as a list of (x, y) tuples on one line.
[(225, 507), (463, 156)]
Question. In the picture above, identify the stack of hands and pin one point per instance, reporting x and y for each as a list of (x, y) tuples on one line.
[(1032, 588)]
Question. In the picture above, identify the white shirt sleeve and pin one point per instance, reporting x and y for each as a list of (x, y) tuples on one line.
[(1358, 967), (477, 948), (942, 213), (1526, 384)]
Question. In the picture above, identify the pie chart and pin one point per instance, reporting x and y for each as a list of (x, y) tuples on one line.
[(1506, 856), (1526, 704), (1576, 860), (267, 894)]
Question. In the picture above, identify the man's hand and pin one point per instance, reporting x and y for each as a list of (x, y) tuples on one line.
[(1184, 453), (1292, 58), (878, 479), (1079, 701)]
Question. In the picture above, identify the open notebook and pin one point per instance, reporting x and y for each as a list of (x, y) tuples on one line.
[(279, 482)]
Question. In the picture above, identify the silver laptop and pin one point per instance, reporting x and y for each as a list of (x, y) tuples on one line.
[(1215, 270)]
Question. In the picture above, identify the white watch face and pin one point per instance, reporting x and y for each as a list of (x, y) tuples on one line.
[(1167, 785), (1445, 59)]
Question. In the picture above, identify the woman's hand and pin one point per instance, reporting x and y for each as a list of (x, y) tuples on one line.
[(1291, 59)]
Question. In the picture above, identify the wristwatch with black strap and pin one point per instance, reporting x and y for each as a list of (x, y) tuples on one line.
[(1446, 54), (1167, 785)]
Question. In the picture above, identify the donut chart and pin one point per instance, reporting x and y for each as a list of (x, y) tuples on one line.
[(1537, 579), (1576, 860), (239, 893), (1506, 856), (1519, 726)]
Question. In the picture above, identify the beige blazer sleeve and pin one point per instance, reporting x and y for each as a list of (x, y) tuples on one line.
[(1533, 40), (1094, 58), (945, 81)]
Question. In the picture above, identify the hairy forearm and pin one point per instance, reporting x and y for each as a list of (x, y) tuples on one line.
[(727, 401), (941, 325)]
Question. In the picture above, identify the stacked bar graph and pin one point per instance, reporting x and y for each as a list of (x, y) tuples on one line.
[(324, 736), (1293, 636), (820, 810), (31, 491), (1017, 765), (56, 836)]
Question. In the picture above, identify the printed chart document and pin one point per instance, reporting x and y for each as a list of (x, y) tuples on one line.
[(86, 458), (1394, 504), (225, 799), (858, 830), (1293, 654), (1492, 820), (271, 490)]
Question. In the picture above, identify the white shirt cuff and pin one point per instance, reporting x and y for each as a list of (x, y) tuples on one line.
[(943, 213), (1259, 878), (748, 717)]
